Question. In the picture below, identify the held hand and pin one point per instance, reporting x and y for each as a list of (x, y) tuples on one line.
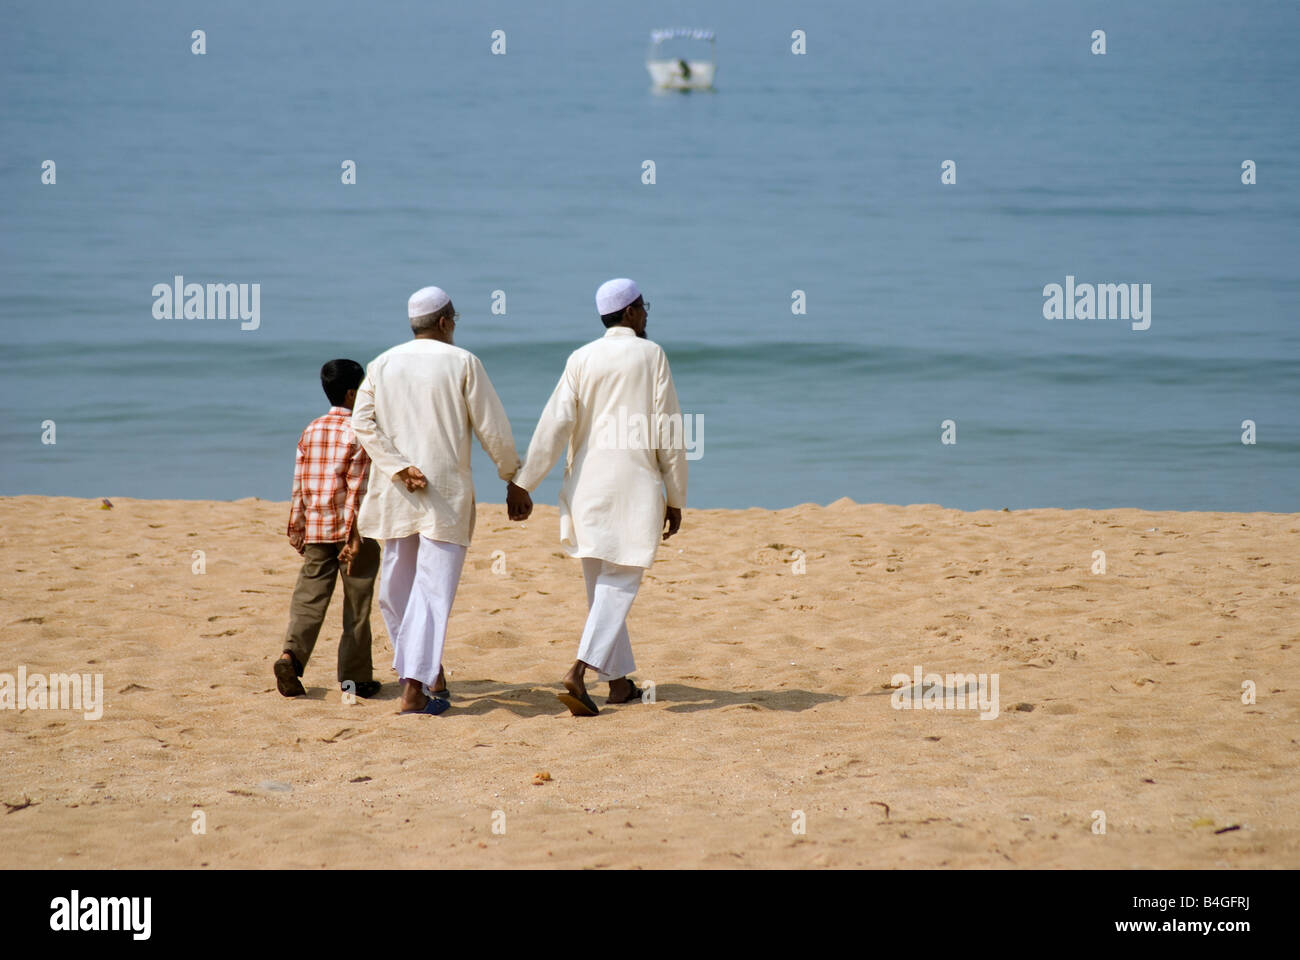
[(412, 477), (519, 505), (350, 551), (298, 538), (673, 521)]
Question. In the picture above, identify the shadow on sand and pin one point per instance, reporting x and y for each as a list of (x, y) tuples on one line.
[(475, 697)]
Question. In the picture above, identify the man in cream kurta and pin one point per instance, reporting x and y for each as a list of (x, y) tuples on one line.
[(414, 415), (616, 411)]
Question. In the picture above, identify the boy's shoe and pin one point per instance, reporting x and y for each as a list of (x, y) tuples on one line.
[(367, 688), (286, 679)]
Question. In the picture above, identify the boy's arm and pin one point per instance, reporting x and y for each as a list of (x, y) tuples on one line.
[(297, 513), (356, 477)]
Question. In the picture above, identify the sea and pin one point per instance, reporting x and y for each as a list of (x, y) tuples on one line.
[(848, 245)]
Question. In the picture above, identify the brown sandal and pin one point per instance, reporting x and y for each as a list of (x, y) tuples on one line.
[(579, 706), (633, 697)]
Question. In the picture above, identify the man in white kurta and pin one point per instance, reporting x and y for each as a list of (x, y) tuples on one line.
[(415, 413), (615, 410)]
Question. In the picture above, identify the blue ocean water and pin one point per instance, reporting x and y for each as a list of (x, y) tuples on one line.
[(523, 173)]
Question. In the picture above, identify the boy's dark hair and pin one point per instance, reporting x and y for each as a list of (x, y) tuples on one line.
[(338, 377)]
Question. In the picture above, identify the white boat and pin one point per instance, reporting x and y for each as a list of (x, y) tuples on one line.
[(690, 69)]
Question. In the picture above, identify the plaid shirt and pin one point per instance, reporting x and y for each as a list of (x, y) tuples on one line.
[(329, 479)]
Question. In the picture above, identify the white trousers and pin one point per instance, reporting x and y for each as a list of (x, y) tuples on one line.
[(611, 588), (418, 580)]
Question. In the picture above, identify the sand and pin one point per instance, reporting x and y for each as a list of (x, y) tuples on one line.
[(771, 638)]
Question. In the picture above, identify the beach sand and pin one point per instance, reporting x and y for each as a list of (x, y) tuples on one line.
[(1120, 692)]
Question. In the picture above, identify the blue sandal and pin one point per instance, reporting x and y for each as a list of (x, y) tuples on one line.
[(432, 706)]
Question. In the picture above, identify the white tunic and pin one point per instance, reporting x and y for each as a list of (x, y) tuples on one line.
[(417, 406), (616, 409)]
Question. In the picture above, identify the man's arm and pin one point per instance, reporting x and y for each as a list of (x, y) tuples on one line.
[(487, 417), (387, 459), (297, 512), (554, 430), (671, 449)]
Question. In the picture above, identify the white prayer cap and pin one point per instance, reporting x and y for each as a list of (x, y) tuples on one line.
[(614, 295), (425, 301)]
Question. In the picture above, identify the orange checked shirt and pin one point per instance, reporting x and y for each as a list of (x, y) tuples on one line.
[(329, 480)]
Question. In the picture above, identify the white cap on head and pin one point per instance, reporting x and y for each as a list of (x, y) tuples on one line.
[(425, 301), (614, 295)]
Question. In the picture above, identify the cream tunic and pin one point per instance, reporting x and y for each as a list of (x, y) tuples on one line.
[(417, 406), (613, 496)]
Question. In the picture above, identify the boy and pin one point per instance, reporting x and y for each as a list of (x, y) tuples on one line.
[(329, 480)]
